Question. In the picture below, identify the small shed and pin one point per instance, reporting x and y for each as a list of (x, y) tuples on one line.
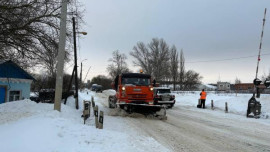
[(14, 82)]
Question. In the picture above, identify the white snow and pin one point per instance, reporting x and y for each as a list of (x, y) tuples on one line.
[(237, 104), (210, 86), (26, 126)]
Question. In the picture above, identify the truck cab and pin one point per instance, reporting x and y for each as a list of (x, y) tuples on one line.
[(133, 88), (134, 93)]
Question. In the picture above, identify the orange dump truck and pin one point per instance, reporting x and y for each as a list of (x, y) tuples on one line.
[(134, 93)]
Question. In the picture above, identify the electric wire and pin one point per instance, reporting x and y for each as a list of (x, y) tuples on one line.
[(228, 59)]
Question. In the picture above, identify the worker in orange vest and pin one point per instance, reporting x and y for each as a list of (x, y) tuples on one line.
[(203, 98)]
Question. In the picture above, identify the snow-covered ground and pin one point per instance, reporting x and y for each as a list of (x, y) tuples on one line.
[(237, 104), (26, 126)]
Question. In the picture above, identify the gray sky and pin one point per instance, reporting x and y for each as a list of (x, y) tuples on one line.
[(204, 29)]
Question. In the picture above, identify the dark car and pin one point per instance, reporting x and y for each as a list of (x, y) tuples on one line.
[(99, 88), (94, 87), (163, 96)]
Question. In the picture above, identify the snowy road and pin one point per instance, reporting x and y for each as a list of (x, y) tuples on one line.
[(192, 129)]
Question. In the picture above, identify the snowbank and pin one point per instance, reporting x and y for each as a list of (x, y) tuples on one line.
[(27, 126), (236, 104)]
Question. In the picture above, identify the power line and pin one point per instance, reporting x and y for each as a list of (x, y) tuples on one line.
[(228, 59)]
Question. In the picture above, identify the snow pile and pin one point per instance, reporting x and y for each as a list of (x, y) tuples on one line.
[(236, 104), (210, 86), (27, 126)]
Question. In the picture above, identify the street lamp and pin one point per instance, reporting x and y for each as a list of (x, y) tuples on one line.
[(83, 33)]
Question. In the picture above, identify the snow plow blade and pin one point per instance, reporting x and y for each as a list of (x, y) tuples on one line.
[(156, 110)]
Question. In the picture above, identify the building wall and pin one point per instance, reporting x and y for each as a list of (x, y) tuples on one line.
[(247, 86), (23, 87), (223, 86)]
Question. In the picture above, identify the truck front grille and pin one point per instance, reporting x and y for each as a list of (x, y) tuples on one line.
[(137, 96)]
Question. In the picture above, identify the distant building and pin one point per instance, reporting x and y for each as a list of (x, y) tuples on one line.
[(247, 86), (14, 82), (223, 86)]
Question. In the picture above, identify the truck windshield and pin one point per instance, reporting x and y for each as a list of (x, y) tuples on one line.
[(164, 91), (136, 81)]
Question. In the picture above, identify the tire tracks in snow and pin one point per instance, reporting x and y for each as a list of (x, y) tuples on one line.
[(190, 129)]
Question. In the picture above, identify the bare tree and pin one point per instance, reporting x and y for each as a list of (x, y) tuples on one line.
[(118, 64), (192, 80), (29, 31), (174, 65), (237, 81), (181, 69), (153, 58), (142, 55), (160, 55)]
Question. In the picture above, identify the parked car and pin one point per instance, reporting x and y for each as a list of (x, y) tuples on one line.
[(94, 87), (99, 88), (163, 96)]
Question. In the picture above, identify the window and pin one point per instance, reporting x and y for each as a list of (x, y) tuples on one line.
[(136, 81), (14, 95), (164, 91)]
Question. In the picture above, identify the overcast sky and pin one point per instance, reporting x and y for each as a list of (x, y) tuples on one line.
[(205, 29)]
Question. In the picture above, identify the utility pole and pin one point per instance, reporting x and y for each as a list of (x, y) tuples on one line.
[(60, 57), (81, 77), (75, 60), (70, 84)]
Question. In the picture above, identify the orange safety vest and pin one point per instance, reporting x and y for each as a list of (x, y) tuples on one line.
[(203, 95)]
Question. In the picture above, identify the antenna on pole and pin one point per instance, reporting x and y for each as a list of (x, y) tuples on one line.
[(260, 47)]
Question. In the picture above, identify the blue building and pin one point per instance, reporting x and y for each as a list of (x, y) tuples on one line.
[(15, 83)]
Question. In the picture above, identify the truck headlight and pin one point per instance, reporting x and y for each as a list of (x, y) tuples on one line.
[(151, 89), (123, 88)]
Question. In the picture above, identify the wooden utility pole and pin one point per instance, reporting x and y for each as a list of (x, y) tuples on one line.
[(75, 61), (60, 57)]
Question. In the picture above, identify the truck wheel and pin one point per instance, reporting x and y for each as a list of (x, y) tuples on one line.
[(121, 106)]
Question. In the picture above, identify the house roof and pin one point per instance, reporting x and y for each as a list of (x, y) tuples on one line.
[(9, 69)]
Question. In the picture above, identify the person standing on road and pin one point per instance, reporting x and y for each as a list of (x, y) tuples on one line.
[(203, 98)]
